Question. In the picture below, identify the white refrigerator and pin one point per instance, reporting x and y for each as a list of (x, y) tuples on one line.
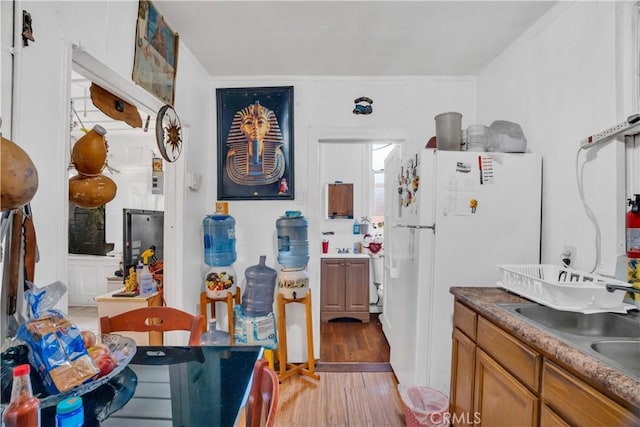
[(450, 218)]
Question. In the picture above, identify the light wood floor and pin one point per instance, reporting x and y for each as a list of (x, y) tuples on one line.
[(345, 399), (351, 399), (344, 340)]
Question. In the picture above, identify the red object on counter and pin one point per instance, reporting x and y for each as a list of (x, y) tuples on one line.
[(633, 228), (24, 408)]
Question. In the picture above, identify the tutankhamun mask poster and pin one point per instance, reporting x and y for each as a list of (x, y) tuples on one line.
[(255, 143)]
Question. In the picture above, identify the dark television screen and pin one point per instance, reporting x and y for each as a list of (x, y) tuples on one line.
[(142, 229)]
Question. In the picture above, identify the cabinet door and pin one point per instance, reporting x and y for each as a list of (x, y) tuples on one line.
[(357, 285), (548, 418), (332, 285), (340, 201), (463, 363), (500, 399)]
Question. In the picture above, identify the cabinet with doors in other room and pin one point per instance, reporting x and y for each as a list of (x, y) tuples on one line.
[(344, 289)]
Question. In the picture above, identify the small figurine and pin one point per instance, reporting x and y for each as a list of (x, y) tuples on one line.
[(284, 187)]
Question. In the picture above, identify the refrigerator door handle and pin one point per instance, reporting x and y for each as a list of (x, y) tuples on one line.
[(419, 227)]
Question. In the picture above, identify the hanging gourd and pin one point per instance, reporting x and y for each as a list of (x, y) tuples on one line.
[(19, 180), (90, 188)]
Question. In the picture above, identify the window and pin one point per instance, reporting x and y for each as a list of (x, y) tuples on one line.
[(378, 153), (87, 231)]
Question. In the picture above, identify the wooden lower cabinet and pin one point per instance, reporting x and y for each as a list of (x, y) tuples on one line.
[(511, 385), (344, 288), (548, 418), (500, 399), (463, 364)]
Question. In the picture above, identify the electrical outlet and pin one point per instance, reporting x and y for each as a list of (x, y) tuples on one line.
[(611, 132), (568, 256)]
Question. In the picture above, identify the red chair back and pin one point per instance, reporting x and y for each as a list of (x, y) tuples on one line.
[(149, 319), (263, 396)]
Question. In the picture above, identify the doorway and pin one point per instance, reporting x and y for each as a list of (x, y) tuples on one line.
[(347, 344), (129, 164)]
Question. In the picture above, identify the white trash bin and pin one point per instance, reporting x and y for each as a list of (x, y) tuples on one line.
[(424, 406)]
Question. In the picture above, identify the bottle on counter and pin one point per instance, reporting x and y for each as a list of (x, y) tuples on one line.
[(23, 409), (70, 412), (356, 227), (146, 284)]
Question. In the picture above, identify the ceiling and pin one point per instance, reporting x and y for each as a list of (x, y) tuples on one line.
[(352, 38), (332, 38)]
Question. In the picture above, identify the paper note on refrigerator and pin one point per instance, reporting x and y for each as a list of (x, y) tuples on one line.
[(486, 169)]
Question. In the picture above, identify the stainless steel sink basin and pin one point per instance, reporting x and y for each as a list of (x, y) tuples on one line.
[(624, 352), (611, 338), (593, 325)]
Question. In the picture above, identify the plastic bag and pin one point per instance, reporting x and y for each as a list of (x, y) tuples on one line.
[(40, 300), (57, 348), (254, 330), (57, 352), (425, 405), (507, 137)]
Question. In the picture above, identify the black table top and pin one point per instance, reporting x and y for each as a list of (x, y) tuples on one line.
[(173, 386)]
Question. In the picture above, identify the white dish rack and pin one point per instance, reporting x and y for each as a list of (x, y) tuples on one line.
[(564, 288)]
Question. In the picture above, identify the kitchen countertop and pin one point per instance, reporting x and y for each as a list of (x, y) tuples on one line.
[(610, 379)]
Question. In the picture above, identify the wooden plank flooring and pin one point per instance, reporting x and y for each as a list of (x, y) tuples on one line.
[(352, 399), (353, 341), (341, 397)]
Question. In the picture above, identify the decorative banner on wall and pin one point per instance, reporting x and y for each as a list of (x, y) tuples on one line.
[(255, 143), (156, 55)]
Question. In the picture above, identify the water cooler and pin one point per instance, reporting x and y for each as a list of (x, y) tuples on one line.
[(293, 255), (219, 255), (293, 287)]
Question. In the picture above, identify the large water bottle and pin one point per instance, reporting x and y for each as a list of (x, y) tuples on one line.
[(219, 240), (214, 336), (257, 299), (293, 245)]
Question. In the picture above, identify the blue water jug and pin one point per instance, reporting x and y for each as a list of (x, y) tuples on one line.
[(257, 299), (219, 240), (293, 245)]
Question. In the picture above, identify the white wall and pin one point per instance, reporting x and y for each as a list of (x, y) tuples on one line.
[(402, 106), (105, 30), (562, 81)]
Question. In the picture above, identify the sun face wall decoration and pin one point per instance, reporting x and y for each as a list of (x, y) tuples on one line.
[(169, 133)]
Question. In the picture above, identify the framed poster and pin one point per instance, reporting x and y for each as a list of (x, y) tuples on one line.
[(156, 55), (255, 143)]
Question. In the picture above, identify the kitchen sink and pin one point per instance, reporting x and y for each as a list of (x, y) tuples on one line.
[(594, 325), (612, 338), (625, 352)]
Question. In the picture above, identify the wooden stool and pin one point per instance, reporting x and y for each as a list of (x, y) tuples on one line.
[(230, 300), (288, 369)]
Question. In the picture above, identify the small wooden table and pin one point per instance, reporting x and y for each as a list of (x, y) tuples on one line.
[(108, 305)]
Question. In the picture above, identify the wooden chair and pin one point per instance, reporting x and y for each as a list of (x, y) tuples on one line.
[(263, 396), (160, 319)]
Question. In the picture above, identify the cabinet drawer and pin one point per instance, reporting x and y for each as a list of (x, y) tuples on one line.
[(580, 404), (516, 357), (465, 319)]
